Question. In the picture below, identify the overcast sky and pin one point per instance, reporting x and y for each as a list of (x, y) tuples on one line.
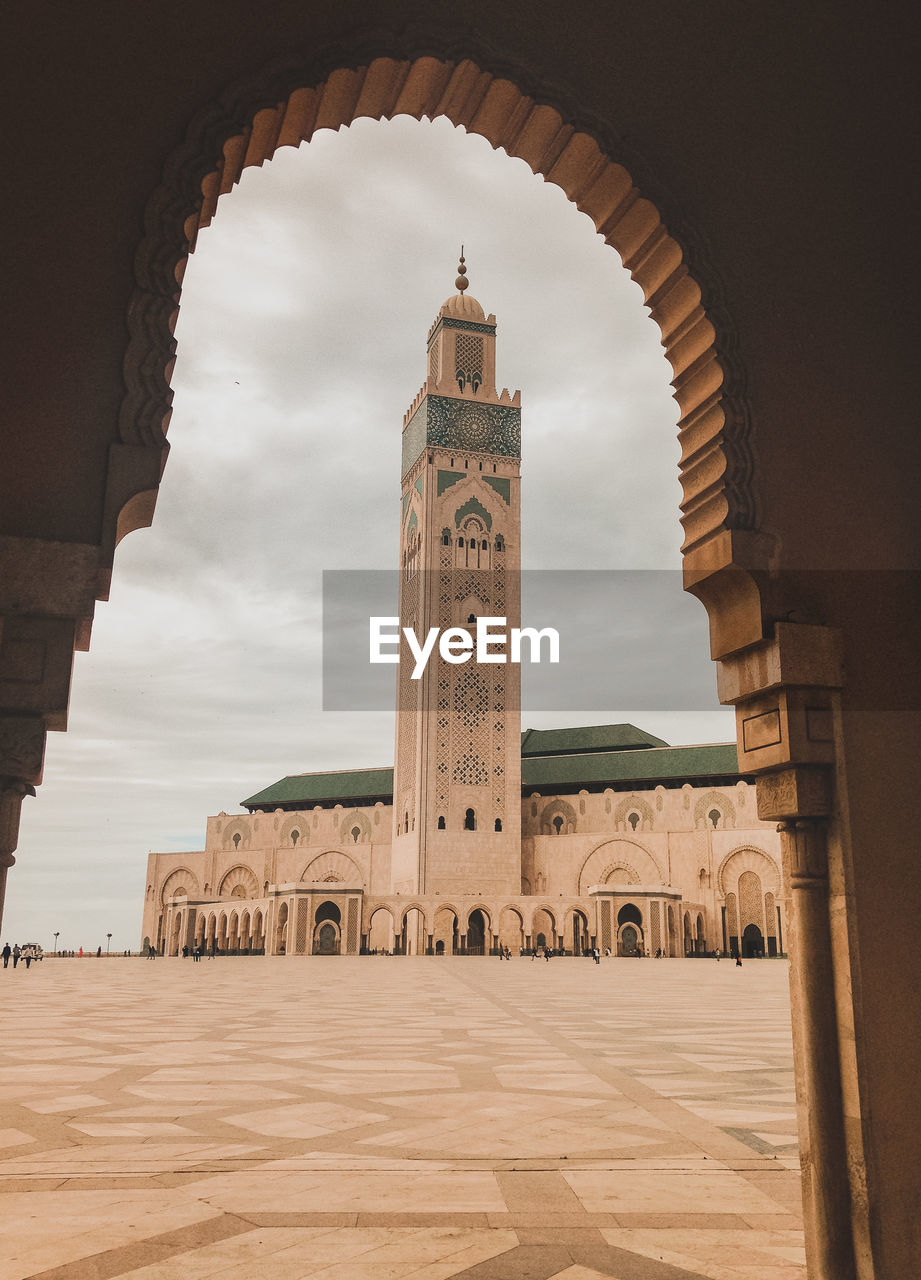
[(302, 333)]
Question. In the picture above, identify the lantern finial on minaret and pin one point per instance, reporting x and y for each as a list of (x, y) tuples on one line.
[(461, 283)]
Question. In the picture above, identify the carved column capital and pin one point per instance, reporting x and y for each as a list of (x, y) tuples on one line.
[(12, 791), (805, 853), (22, 747), (799, 791)]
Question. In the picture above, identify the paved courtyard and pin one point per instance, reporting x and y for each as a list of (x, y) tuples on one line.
[(387, 1117)]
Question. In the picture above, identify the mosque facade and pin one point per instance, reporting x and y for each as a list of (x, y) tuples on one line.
[(480, 837)]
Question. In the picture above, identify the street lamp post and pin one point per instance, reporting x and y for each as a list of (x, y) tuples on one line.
[(57, 934), (108, 940)]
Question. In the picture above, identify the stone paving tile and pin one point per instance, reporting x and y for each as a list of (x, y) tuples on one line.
[(720, 1255), (369, 1119)]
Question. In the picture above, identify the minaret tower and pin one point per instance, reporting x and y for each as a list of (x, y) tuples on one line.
[(457, 774)]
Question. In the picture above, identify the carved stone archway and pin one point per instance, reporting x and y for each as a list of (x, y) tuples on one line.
[(285, 107), (782, 676)]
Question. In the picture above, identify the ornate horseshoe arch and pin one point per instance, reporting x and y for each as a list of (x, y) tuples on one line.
[(726, 557)]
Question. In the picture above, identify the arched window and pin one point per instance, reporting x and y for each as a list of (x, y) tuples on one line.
[(355, 834), (446, 537), (471, 617), (714, 815), (484, 544), (441, 822), (460, 542), (406, 823), (295, 836), (498, 824), (500, 542), (470, 820), (558, 824), (634, 820), (236, 839)]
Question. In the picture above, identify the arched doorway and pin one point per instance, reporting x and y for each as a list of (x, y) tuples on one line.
[(629, 930), (326, 931), (326, 939), (281, 930), (511, 930), (752, 941), (543, 929), (380, 932), (477, 933), (629, 940), (578, 938), (445, 932), (412, 935)]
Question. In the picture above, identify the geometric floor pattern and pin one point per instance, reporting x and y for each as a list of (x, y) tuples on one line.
[(383, 1117)]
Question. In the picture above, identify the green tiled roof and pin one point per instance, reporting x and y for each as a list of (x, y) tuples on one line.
[(585, 738), (304, 790), (550, 774), (651, 765)]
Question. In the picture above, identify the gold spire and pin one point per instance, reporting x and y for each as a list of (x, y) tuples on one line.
[(461, 283)]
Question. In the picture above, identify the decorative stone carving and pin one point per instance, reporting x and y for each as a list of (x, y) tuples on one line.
[(22, 747)]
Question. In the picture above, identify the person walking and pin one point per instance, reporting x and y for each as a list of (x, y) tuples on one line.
[(6, 953), (17, 952)]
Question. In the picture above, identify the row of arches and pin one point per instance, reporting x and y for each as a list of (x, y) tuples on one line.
[(712, 810), (354, 827), (480, 929), (230, 932), (477, 930)]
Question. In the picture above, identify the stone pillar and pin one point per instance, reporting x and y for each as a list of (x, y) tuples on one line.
[(12, 791), (22, 749), (788, 713), (823, 1152)]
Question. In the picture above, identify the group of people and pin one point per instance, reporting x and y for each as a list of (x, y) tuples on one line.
[(27, 954), (199, 949)]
